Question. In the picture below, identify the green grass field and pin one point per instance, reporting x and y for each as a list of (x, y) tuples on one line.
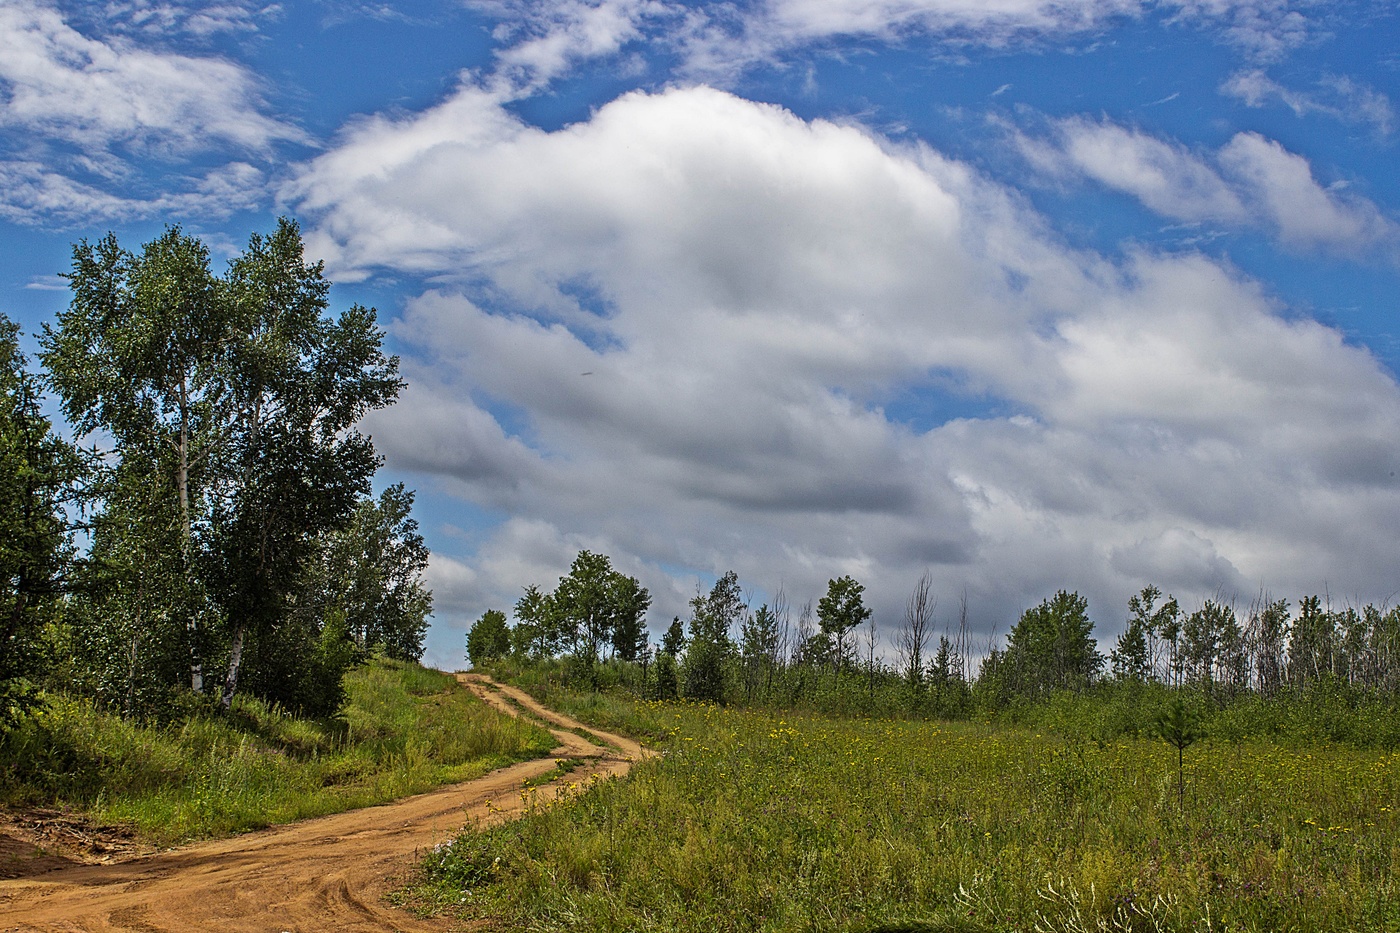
[(753, 820), (403, 730)]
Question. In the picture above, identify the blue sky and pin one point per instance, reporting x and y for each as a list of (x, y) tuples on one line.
[(1084, 294)]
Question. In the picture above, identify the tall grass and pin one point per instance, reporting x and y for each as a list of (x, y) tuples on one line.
[(403, 730), (759, 821), (1325, 710)]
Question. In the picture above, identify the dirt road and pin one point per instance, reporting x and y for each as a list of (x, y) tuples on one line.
[(327, 874)]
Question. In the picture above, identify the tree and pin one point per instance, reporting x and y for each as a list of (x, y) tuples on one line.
[(1264, 640), (872, 639), (913, 639), (142, 354), (231, 403), (489, 638), (1200, 643), (840, 611), (673, 642), (1132, 657), (713, 616), (38, 471), (371, 571), (758, 647), (1232, 659), (593, 605), (667, 685), (599, 606), (1051, 646), (294, 465), (583, 601), (1178, 726), (1313, 642), (537, 632), (630, 604), (129, 618)]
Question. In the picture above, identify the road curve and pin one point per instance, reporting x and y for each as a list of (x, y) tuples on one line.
[(329, 873)]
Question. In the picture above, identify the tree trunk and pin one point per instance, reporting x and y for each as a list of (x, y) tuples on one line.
[(235, 659), (182, 483)]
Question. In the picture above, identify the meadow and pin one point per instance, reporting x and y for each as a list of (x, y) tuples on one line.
[(402, 730), (758, 820)]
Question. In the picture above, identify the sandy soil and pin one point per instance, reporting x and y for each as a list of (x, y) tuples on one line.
[(327, 874)]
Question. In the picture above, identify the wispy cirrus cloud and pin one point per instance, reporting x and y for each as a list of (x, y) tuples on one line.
[(717, 42), (33, 193), (197, 18), (730, 38), (1251, 182), (541, 41), (1338, 96), (99, 93)]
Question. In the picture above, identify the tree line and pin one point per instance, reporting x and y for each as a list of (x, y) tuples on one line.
[(832, 655), (217, 484)]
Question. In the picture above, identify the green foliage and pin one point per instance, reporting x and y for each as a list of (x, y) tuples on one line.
[(229, 521), (1312, 645), (402, 730), (759, 646), (593, 605), (1132, 655), (38, 472), (143, 354), (673, 642), (296, 466), (129, 617), (1179, 726), (776, 821), (838, 613), (667, 684), (489, 638), (707, 658), (1051, 647), (370, 571)]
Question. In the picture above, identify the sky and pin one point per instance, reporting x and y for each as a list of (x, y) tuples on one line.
[(1029, 295)]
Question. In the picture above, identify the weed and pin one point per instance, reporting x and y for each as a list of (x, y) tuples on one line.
[(403, 730), (784, 821)]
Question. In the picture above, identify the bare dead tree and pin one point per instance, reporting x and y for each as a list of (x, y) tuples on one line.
[(913, 639), (963, 642), (782, 616), (804, 632), (872, 638)]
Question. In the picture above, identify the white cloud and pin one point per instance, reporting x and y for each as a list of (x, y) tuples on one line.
[(32, 193), (545, 40), (1341, 97), (717, 42), (992, 20), (1266, 30), (1305, 214), (197, 18), (61, 84), (1250, 182), (751, 295), (1166, 177), (728, 38)]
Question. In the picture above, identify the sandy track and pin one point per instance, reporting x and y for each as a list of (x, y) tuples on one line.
[(317, 875)]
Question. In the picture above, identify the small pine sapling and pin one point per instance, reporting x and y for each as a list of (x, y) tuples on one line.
[(1179, 726)]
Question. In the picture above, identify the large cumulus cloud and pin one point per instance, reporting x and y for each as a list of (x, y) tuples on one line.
[(700, 333)]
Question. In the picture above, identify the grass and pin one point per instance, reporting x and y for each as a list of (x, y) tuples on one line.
[(759, 821), (403, 730)]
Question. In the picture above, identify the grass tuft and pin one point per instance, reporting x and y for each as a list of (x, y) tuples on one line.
[(775, 822), (403, 730)]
